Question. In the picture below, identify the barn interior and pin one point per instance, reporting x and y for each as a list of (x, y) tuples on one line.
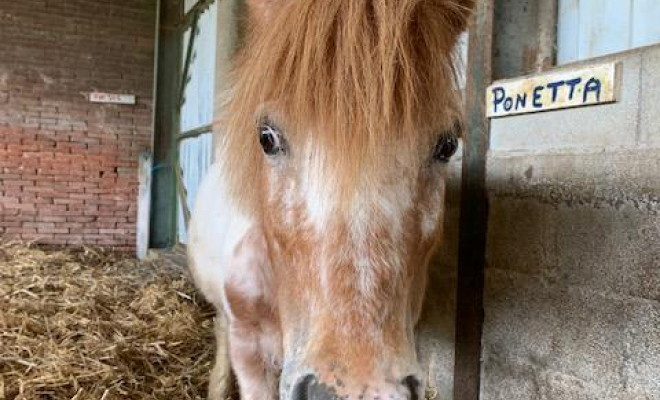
[(547, 285)]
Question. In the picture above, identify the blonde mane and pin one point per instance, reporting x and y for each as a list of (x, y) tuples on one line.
[(355, 73)]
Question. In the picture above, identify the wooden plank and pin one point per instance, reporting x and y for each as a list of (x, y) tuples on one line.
[(604, 27), (145, 165), (552, 91), (199, 93), (195, 159), (474, 210), (645, 24), (196, 114), (568, 31)]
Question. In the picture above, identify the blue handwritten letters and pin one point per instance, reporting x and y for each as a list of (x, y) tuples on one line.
[(553, 91)]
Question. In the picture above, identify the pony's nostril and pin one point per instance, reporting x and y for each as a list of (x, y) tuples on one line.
[(412, 383), (308, 388), (301, 389)]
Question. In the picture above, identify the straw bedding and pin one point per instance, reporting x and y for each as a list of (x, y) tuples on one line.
[(87, 324)]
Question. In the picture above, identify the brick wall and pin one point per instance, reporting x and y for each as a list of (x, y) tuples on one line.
[(68, 168)]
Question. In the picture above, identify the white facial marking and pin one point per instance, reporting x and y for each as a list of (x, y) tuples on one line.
[(216, 229), (290, 203), (318, 187), (432, 212), (369, 213)]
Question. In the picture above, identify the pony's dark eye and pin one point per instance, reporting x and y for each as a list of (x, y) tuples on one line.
[(271, 139), (445, 148)]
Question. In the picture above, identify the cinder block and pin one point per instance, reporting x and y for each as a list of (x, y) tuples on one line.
[(587, 220), (572, 306), (521, 318), (555, 385), (610, 251), (533, 227), (641, 373), (590, 344), (504, 379)]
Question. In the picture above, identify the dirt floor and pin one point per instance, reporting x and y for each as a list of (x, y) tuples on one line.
[(87, 324)]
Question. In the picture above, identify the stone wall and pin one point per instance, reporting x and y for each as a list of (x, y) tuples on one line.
[(572, 296)]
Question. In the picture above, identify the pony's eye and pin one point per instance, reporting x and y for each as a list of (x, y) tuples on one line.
[(270, 139), (445, 148)]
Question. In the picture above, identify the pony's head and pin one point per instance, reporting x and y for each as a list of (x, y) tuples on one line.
[(341, 119)]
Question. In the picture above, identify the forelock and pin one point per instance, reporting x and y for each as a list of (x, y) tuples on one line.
[(355, 75)]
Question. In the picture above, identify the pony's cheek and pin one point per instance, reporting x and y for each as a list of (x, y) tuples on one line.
[(247, 283), (430, 206)]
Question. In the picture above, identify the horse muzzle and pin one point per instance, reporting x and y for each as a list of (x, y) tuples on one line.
[(310, 388)]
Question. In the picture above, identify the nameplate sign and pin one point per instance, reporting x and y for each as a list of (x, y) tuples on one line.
[(553, 91), (111, 98)]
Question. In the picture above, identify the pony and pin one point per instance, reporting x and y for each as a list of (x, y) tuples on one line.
[(313, 229)]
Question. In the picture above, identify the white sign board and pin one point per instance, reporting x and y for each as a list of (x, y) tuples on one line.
[(111, 98), (565, 89)]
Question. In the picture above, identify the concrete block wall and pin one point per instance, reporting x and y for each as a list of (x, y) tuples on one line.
[(68, 168), (572, 296)]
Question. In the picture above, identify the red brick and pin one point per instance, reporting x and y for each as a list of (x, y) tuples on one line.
[(53, 230), (68, 168)]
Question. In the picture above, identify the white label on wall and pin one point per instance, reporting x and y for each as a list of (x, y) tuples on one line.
[(111, 98), (580, 87)]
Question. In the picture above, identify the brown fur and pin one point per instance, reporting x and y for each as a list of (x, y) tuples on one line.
[(383, 68), (333, 270)]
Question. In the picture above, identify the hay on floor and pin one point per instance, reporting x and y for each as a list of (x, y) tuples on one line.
[(87, 324)]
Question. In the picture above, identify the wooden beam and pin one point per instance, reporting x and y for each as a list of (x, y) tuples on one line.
[(145, 166), (546, 56), (474, 210), (525, 38)]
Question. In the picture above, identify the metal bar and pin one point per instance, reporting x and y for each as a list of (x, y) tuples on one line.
[(183, 196), (183, 82), (199, 8), (474, 210), (193, 133)]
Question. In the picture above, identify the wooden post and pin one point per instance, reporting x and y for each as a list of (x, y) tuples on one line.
[(548, 16), (474, 210), (163, 209), (145, 164)]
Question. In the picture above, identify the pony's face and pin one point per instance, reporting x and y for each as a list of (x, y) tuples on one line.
[(349, 258), (342, 119)]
